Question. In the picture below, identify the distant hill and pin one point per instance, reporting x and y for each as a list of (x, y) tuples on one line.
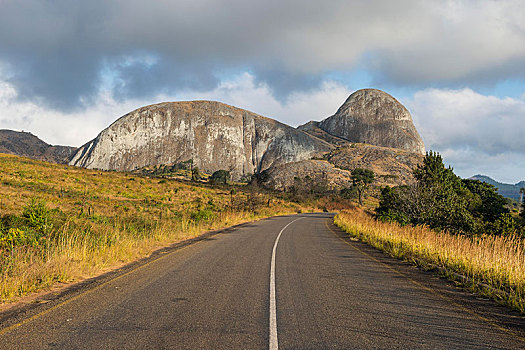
[(506, 190), (28, 145)]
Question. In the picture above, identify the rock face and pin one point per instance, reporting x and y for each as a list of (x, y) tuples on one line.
[(218, 136), (215, 135), (392, 167), (307, 173), (374, 117), (313, 128), (28, 145)]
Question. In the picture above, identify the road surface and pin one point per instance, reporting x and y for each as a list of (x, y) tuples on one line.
[(287, 282)]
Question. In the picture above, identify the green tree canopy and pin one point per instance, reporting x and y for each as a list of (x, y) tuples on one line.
[(488, 203), (438, 199), (442, 200), (390, 205), (522, 213), (220, 177), (361, 179), (195, 173)]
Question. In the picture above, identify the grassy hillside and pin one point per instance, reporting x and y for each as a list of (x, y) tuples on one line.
[(60, 223)]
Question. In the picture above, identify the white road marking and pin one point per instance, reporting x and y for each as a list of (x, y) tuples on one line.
[(274, 343)]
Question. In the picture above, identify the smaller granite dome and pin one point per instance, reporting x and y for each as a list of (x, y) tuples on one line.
[(374, 117)]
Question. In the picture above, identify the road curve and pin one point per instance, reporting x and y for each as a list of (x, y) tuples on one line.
[(330, 293)]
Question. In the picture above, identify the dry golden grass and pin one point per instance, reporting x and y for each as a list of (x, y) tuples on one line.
[(496, 261), (105, 219)]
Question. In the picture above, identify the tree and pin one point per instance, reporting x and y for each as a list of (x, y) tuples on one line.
[(220, 177), (504, 225), (388, 200), (233, 191), (195, 174), (433, 172), (522, 214), (488, 205), (438, 199), (443, 198), (444, 201), (361, 179)]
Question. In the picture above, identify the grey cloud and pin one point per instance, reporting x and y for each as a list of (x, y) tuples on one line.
[(59, 50), (282, 81), (59, 83), (474, 132), (139, 80), (464, 119)]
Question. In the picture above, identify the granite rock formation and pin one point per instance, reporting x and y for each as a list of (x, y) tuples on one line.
[(392, 167), (218, 136), (374, 117), (215, 135)]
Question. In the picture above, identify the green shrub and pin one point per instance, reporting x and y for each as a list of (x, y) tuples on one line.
[(504, 225), (29, 230), (202, 215), (16, 237), (37, 216), (195, 174), (220, 177), (442, 200), (393, 216)]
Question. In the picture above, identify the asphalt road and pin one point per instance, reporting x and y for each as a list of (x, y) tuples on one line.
[(330, 293)]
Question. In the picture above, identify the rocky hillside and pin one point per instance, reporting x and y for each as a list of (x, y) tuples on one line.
[(311, 173), (215, 135), (28, 145), (391, 167), (374, 117)]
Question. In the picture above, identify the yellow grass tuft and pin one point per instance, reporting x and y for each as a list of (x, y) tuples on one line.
[(498, 262)]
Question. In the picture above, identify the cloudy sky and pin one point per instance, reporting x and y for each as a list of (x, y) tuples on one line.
[(69, 68)]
